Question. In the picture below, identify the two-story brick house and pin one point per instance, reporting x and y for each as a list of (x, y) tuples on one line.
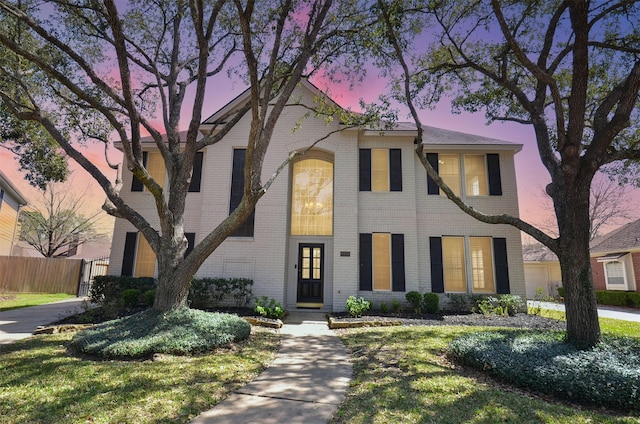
[(356, 215)]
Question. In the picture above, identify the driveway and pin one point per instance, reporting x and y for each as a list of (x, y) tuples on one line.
[(624, 314), (20, 323)]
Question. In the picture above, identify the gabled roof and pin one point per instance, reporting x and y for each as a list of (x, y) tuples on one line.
[(432, 136), (8, 187), (624, 238)]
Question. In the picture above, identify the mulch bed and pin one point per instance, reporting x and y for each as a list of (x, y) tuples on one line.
[(517, 321)]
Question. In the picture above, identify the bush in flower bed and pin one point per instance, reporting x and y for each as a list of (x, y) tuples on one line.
[(607, 375), (178, 332)]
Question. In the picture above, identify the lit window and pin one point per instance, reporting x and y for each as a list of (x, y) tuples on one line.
[(381, 261), (453, 263), (449, 170), (145, 259), (312, 198), (475, 172), (379, 170), (481, 264)]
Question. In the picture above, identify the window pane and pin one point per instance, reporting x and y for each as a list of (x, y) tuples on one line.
[(481, 264), (312, 198), (381, 261), (475, 172), (380, 170), (615, 272), (449, 170), (145, 259), (453, 264), (155, 167)]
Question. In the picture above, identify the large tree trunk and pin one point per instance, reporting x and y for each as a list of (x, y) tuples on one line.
[(572, 210)]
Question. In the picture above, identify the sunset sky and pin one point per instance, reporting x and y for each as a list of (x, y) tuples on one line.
[(531, 175)]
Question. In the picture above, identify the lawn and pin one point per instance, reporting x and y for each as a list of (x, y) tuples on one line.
[(22, 300), (41, 382), (401, 376), (614, 327)]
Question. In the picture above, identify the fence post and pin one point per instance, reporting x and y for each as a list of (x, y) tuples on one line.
[(80, 277)]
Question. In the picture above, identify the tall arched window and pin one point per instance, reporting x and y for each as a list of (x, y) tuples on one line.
[(312, 198)]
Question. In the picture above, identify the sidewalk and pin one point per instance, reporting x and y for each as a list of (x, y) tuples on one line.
[(624, 314), (304, 384), (17, 324)]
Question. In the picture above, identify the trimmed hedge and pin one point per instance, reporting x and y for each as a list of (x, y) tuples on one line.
[(179, 332), (111, 290), (618, 298), (607, 375)]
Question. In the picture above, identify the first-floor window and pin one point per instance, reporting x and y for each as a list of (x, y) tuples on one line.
[(455, 276), (382, 262), (462, 264), (614, 272), (481, 264)]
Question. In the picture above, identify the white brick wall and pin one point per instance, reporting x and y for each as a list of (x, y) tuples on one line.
[(269, 257)]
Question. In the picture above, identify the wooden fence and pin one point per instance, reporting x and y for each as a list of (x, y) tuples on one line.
[(39, 275)]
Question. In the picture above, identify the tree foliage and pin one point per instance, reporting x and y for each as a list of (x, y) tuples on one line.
[(569, 69), (100, 71)]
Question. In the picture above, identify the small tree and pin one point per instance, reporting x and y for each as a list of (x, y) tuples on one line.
[(55, 226)]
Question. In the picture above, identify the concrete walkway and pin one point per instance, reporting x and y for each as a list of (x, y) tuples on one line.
[(17, 324), (304, 384), (624, 314)]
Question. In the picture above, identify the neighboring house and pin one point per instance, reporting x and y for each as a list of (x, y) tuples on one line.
[(356, 215), (615, 259), (11, 200), (541, 270), (615, 263)]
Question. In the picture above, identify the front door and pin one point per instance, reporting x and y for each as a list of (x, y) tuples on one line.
[(310, 273)]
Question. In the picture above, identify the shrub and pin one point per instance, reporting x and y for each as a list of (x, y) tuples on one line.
[(149, 297), (384, 307), (179, 332), (431, 303), (607, 375), (211, 292), (458, 302), (130, 298), (487, 305), (269, 308), (510, 303), (561, 291), (613, 298), (107, 290), (396, 306), (635, 299), (357, 305), (415, 300)]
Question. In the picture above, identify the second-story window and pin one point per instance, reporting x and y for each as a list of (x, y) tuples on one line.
[(154, 163), (481, 174), (380, 170)]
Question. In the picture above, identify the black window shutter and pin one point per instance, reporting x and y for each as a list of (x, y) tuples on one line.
[(493, 168), (191, 241), (432, 187), (136, 184), (366, 262), (437, 270), (196, 176), (237, 191), (365, 169), (129, 254), (395, 170), (501, 265), (397, 262)]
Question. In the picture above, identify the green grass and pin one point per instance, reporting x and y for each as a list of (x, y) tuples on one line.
[(40, 382), (615, 327), (22, 300), (402, 376)]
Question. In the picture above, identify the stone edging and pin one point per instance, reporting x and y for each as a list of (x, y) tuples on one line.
[(62, 328), (333, 323), (264, 323)]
